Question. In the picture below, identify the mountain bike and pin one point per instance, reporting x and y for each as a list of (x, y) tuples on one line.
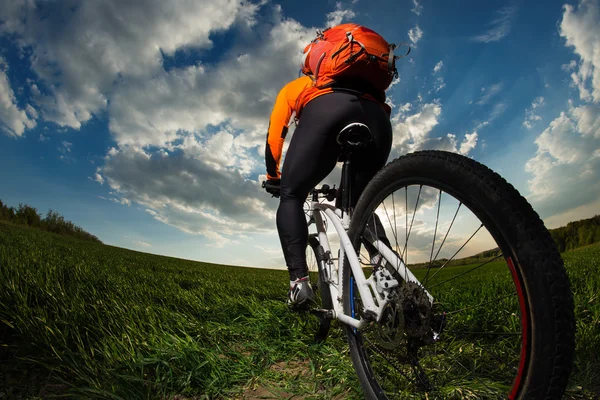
[(445, 279)]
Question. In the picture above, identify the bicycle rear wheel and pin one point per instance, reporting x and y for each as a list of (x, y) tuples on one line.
[(501, 324), (314, 254)]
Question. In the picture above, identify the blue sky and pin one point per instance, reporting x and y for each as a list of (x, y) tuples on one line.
[(144, 123)]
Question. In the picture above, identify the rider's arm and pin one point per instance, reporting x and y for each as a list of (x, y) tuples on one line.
[(278, 124)]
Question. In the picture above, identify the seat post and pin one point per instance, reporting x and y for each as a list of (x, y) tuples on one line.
[(346, 187), (355, 135)]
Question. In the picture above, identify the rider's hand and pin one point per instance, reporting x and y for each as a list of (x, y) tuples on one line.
[(272, 186)]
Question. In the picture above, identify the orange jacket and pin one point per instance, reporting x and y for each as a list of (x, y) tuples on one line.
[(292, 98)]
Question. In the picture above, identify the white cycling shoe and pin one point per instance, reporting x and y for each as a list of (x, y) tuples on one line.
[(301, 294)]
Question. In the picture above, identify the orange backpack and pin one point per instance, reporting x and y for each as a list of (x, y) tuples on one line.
[(350, 51)]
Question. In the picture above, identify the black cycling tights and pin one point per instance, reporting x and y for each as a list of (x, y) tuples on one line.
[(312, 155)]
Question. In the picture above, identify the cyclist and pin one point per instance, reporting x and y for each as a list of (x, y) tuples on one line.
[(312, 155)]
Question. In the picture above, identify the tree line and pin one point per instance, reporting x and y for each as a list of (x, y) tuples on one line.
[(52, 222), (577, 234)]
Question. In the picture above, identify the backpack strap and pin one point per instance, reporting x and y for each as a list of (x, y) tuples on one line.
[(354, 55), (391, 58)]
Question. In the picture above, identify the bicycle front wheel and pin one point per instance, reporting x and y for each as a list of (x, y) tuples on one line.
[(501, 323)]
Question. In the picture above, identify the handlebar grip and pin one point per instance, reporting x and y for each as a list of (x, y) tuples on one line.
[(272, 188)]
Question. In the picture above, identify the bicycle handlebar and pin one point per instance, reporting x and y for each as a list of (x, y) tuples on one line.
[(330, 193)]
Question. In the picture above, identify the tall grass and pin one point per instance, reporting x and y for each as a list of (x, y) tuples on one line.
[(87, 320), (105, 322)]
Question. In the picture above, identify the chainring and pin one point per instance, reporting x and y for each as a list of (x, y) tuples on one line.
[(389, 332)]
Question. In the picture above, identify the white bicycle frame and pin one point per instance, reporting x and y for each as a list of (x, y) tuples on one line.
[(373, 290)]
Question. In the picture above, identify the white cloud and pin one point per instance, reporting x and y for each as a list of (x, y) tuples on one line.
[(570, 66), (168, 156), (469, 143), (438, 67), (66, 146), (500, 26), (64, 149), (81, 52), (489, 92), (13, 120), (412, 133), (417, 9), (566, 167), (141, 243), (336, 17), (241, 90), (122, 200), (97, 177), (530, 116), (588, 121), (538, 102), (581, 29), (186, 191), (415, 34), (439, 84), (497, 110)]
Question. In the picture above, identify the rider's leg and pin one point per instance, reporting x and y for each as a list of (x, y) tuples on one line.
[(366, 162), (313, 154)]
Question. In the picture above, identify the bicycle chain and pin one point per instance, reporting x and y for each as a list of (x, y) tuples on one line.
[(397, 364), (384, 356)]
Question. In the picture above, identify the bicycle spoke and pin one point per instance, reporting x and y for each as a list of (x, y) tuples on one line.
[(466, 272), (471, 373), (480, 304), (444, 240), (437, 219), (406, 220), (395, 224), (495, 334), (454, 255), (396, 237), (484, 333), (405, 252), (387, 214), (389, 361)]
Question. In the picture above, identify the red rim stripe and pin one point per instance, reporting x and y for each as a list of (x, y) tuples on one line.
[(524, 328)]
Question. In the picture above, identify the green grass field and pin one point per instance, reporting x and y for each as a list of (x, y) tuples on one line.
[(94, 321)]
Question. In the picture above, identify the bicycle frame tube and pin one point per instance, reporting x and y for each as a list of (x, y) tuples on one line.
[(371, 299), (335, 277)]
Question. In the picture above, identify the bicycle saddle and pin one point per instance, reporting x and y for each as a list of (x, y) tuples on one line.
[(354, 135)]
